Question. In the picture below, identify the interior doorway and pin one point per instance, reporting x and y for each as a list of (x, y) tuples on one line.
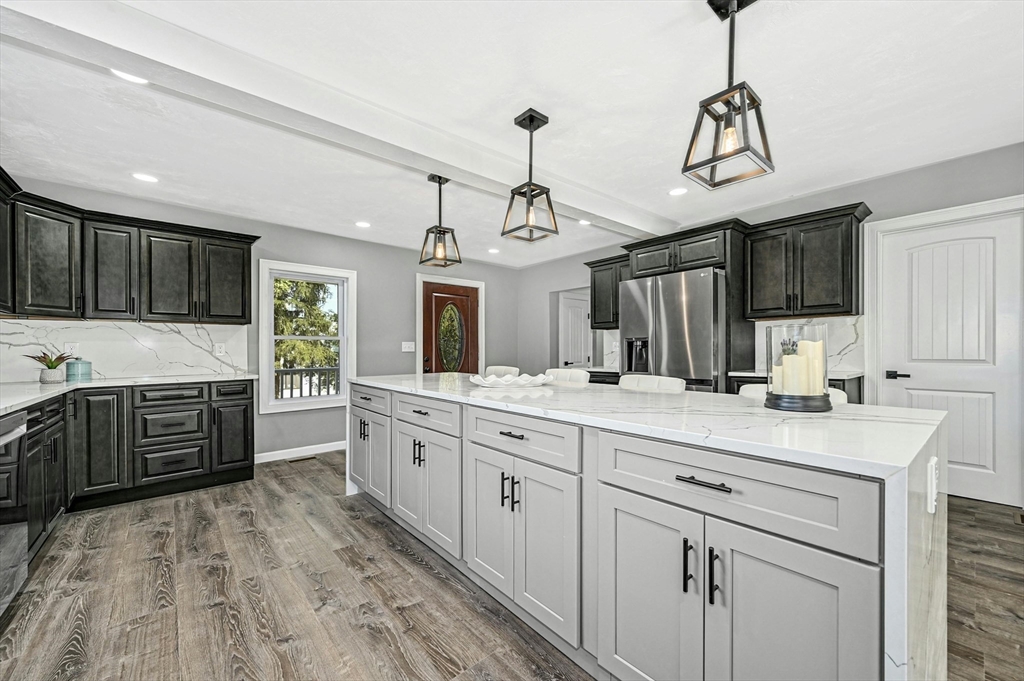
[(449, 334), (575, 339)]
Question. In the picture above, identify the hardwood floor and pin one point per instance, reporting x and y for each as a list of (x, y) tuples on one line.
[(283, 577)]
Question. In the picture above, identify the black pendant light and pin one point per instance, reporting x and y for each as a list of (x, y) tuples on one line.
[(729, 156), (439, 246), (528, 219)]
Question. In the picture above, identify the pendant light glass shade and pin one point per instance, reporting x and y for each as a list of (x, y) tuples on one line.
[(439, 246), (530, 215), (729, 143)]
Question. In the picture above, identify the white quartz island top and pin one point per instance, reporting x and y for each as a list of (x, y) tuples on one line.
[(20, 395), (863, 440)]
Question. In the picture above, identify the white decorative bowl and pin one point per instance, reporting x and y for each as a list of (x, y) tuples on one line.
[(523, 381)]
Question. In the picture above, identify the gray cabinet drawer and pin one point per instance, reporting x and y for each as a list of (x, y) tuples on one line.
[(170, 463), (835, 512), (444, 417), (157, 425), (226, 390), (547, 442), (169, 394), (9, 486), (372, 399)]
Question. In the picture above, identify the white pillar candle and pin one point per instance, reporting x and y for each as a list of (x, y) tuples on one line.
[(794, 374), (814, 351), (778, 382)]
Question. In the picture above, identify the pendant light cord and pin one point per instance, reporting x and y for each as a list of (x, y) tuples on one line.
[(732, 39), (530, 178), (439, 185)]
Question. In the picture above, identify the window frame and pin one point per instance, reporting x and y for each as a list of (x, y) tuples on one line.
[(273, 269)]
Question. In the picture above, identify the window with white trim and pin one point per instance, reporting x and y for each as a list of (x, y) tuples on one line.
[(306, 315)]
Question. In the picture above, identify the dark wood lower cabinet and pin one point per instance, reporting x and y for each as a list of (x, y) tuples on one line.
[(100, 436), (35, 492), (54, 464), (232, 435)]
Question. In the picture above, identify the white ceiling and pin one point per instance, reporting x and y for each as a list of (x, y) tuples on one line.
[(356, 101)]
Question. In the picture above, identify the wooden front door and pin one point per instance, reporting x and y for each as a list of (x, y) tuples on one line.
[(450, 328)]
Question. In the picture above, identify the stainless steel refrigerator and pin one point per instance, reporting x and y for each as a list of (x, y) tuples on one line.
[(674, 325)]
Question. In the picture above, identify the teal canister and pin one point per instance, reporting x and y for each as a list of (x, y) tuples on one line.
[(78, 369)]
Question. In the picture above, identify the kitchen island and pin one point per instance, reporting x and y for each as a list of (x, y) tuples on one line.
[(674, 535)]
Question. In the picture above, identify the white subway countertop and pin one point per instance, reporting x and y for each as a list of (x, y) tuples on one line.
[(832, 373), (859, 439), (23, 394)]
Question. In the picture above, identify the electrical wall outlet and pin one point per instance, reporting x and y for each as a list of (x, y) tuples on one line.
[(71, 349), (408, 346), (218, 349)]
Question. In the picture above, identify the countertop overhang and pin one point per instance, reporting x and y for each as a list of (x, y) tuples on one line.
[(863, 440)]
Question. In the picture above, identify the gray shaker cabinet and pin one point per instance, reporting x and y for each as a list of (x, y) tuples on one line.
[(169, 277), (111, 279), (357, 446), (100, 436), (224, 282), (650, 615), (378, 457), (407, 474), (47, 248), (426, 493), (784, 611), (488, 524)]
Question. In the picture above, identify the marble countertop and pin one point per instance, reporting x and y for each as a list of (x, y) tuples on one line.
[(19, 395), (859, 439), (832, 373)]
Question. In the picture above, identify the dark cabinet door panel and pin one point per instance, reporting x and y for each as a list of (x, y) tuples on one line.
[(231, 391), (100, 434), (54, 461), (225, 282), (170, 277), (604, 295), (768, 268), (647, 262), (47, 247), (157, 425), (233, 445), (705, 251), (111, 271), (171, 462), (35, 490), (822, 268), (6, 259), (9, 486), (171, 394)]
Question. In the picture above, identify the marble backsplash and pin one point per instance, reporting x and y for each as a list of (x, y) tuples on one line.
[(124, 348), (609, 349), (845, 342)]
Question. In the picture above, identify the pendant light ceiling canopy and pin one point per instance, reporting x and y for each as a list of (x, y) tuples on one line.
[(729, 143), (530, 216), (439, 246)]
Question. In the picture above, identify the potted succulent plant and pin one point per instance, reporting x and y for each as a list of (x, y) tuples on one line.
[(51, 372)]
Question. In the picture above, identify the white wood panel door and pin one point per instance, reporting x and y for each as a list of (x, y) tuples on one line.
[(574, 335), (378, 456), (356, 454), (487, 515), (407, 473), (949, 315), (442, 491)]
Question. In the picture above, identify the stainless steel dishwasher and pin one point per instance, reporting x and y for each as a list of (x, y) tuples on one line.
[(13, 508)]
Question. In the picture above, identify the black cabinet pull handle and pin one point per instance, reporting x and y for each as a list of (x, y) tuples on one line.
[(789, 299), (504, 479), (233, 390), (691, 480), (421, 412), (796, 301), (169, 396), (173, 463), (213, 416), (365, 398), (172, 424), (509, 433), (895, 375), (131, 305), (415, 453), (687, 576), (712, 587), (362, 430), (423, 459), (515, 502)]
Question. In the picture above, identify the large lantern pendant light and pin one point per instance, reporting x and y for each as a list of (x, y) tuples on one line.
[(731, 154), (530, 216), (439, 246)]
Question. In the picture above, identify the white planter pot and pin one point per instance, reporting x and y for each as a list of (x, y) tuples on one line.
[(51, 375)]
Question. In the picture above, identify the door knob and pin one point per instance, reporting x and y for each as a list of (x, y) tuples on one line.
[(894, 375)]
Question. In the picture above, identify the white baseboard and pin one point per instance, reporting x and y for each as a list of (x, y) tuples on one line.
[(298, 452)]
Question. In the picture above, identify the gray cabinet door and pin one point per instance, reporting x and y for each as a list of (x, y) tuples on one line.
[(768, 263), (111, 282), (355, 457), (604, 297), (170, 277), (378, 457), (100, 441), (224, 282), (487, 518), (47, 244), (442, 490), (407, 473), (706, 250), (232, 435), (784, 611), (647, 262), (547, 546), (6, 259), (823, 268), (650, 614)]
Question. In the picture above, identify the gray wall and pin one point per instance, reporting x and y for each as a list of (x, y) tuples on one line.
[(386, 304)]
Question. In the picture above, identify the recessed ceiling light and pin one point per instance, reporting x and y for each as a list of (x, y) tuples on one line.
[(363, 224), (678, 191), (584, 222), (129, 77), (144, 177), (493, 250)]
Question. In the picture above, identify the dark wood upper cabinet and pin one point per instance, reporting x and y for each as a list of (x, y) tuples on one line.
[(111, 281), (6, 259), (653, 260), (224, 282), (169, 277), (805, 266), (605, 276), (663, 256), (47, 248), (233, 445)]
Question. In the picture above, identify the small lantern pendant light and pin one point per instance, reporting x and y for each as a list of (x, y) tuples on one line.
[(732, 110), (439, 246), (526, 198)]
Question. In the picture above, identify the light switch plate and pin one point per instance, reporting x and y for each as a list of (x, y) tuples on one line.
[(408, 346), (218, 349), (71, 349)]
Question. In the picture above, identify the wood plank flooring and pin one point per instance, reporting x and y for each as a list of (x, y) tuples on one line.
[(283, 577)]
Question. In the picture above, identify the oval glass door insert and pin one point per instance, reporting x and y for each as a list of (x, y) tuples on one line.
[(451, 338)]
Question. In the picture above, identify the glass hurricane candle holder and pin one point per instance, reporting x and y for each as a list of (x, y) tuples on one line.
[(798, 368)]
